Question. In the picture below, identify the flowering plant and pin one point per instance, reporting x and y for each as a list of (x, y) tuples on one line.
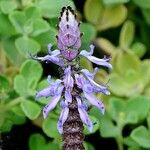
[(75, 90)]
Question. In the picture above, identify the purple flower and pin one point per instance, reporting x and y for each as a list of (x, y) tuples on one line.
[(63, 117), (68, 83), (101, 62), (53, 102), (76, 86), (83, 115)]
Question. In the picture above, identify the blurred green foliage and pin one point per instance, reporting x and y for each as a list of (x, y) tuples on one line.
[(27, 26)]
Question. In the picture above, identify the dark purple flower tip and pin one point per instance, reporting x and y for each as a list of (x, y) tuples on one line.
[(68, 37)]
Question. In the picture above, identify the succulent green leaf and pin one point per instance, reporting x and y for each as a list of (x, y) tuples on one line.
[(31, 109), (6, 27), (40, 26), (47, 37), (7, 6), (96, 6), (127, 35), (146, 13), (37, 142), (112, 16), (4, 84), (139, 105), (50, 127), (142, 3), (32, 72), (11, 51), (89, 34), (114, 2), (127, 61), (26, 45), (139, 49), (141, 135), (107, 127), (50, 9), (20, 85), (116, 109), (106, 45), (32, 13), (18, 19)]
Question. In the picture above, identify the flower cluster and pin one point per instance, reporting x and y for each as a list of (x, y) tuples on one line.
[(74, 79)]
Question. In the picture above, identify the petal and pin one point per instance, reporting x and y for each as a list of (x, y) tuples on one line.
[(86, 53), (68, 96), (90, 74), (63, 117), (68, 80), (49, 79), (84, 116), (102, 62), (95, 102), (80, 80), (52, 104), (43, 93), (50, 58), (95, 86)]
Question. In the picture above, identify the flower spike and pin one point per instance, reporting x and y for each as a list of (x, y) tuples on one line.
[(76, 89)]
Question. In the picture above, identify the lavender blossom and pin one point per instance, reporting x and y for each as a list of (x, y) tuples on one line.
[(76, 86)]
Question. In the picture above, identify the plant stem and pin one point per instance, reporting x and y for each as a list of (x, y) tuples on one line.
[(119, 141), (11, 104)]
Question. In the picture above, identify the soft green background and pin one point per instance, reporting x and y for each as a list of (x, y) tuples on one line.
[(120, 28)]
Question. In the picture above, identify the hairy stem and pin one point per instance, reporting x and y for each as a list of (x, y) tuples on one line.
[(73, 130)]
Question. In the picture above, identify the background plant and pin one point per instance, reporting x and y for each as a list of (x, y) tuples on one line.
[(119, 28)]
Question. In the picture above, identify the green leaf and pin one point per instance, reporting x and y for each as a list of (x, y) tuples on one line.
[(86, 64), (148, 121), (142, 136), (117, 106), (26, 45), (18, 19), (139, 105), (112, 2), (49, 36), (112, 16), (95, 125), (138, 49), (89, 34), (31, 109), (106, 45), (127, 35), (123, 65), (50, 9), (6, 27), (96, 6), (107, 127), (50, 127), (142, 3), (40, 26), (4, 84), (32, 13), (146, 13), (20, 85), (8, 6), (32, 72), (6, 126), (37, 142), (118, 86), (11, 51)]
